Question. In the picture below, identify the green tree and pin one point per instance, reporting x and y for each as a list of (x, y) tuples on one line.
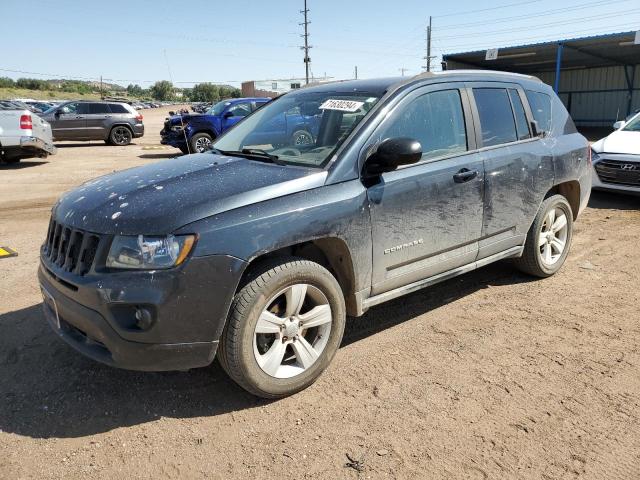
[(6, 82), (134, 90), (205, 92), (162, 90)]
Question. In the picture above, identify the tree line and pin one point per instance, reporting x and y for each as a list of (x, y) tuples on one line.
[(161, 90)]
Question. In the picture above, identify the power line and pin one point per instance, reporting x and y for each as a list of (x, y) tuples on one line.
[(467, 12), (598, 3), (542, 25)]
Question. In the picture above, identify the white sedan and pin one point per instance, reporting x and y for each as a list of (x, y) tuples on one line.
[(616, 158)]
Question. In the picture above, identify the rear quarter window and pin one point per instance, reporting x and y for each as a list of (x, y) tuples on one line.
[(540, 104), (117, 108)]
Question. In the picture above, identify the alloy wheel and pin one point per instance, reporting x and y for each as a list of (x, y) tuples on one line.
[(552, 239), (292, 331)]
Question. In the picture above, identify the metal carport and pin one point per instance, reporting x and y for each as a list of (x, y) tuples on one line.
[(597, 78)]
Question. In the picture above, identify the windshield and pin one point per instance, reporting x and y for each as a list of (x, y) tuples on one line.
[(633, 125), (218, 108), (302, 128)]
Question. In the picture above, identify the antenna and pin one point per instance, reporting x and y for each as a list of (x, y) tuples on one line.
[(306, 46)]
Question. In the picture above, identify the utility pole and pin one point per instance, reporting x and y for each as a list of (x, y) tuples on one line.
[(101, 94), (429, 57), (356, 72), (402, 70), (306, 46)]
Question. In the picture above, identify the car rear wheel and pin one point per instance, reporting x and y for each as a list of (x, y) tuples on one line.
[(549, 238), (120, 135), (284, 328), (201, 142)]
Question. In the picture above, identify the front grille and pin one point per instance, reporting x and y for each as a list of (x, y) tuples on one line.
[(70, 249), (619, 172)]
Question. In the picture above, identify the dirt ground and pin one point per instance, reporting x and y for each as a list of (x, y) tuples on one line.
[(490, 375)]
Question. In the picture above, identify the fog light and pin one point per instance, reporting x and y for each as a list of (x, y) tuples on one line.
[(144, 319)]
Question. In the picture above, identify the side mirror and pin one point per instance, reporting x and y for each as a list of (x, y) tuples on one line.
[(228, 114), (392, 153), (57, 113), (619, 124)]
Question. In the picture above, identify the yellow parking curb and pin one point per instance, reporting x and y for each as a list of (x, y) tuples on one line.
[(6, 252)]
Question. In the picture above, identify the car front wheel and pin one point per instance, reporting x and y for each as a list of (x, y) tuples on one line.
[(201, 142), (284, 328)]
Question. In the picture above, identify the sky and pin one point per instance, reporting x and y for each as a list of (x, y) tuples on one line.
[(187, 42)]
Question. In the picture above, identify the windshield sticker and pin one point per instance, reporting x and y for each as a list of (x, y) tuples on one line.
[(341, 105)]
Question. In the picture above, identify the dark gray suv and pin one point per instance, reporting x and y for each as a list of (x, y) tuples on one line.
[(115, 123), (256, 251)]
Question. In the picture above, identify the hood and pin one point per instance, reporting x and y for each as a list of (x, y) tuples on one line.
[(620, 141), (178, 119), (162, 197)]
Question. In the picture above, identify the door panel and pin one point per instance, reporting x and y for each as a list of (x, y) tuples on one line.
[(423, 222), (96, 121), (69, 125), (517, 167), (427, 218)]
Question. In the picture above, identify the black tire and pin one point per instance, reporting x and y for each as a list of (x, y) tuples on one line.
[(199, 141), (532, 261), (120, 135), (301, 138), (236, 349)]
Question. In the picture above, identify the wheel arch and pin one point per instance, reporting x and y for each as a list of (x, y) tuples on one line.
[(569, 190), (330, 252)]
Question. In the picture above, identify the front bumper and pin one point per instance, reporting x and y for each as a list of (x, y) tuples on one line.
[(36, 143), (617, 179), (173, 139), (95, 314)]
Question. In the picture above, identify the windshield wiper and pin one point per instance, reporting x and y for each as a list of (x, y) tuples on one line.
[(261, 153)]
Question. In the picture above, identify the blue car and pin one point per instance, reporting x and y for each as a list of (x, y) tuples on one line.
[(194, 133)]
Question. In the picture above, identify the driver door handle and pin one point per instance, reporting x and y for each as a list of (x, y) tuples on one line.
[(465, 175)]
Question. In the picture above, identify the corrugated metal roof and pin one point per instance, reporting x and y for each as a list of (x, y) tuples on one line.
[(585, 52)]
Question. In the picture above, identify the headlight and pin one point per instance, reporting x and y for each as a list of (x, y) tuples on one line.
[(148, 253), (177, 128)]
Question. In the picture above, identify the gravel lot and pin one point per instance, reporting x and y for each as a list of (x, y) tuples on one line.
[(491, 375)]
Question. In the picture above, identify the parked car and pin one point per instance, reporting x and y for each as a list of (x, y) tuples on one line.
[(255, 252), (114, 122), (195, 133), (616, 158), (39, 107), (23, 134)]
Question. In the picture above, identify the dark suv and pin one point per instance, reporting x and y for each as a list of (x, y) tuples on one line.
[(258, 250), (115, 123)]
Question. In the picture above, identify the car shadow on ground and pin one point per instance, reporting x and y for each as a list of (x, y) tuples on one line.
[(48, 390), (614, 200), (21, 164), (160, 155)]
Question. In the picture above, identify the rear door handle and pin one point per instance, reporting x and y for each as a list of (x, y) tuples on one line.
[(465, 175)]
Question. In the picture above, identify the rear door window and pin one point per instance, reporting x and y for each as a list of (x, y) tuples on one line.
[(540, 104), (98, 108), (496, 117), (522, 125)]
